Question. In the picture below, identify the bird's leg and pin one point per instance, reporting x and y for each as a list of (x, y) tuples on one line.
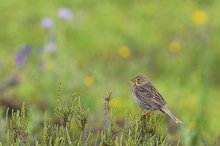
[(147, 112), (144, 116)]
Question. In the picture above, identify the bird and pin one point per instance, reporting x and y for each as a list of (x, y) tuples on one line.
[(147, 97)]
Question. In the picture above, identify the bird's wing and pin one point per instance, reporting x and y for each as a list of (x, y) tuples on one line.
[(151, 92)]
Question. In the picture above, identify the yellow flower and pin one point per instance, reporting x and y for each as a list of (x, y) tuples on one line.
[(115, 102), (89, 80), (199, 17), (174, 46), (124, 52)]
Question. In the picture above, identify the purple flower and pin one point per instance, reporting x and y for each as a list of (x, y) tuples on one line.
[(19, 58), (46, 22), (65, 14), (26, 50)]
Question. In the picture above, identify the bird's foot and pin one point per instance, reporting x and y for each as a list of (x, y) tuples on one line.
[(147, 113)]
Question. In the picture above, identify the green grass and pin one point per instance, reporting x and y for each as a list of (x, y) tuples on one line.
[(88, 46)]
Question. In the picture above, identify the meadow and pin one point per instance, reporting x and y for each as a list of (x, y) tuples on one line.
[(93, 48)]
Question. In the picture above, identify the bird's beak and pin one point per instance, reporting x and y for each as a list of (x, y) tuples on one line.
[(133, 80)]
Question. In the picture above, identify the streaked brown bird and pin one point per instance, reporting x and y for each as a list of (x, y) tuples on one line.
[(147, 97)]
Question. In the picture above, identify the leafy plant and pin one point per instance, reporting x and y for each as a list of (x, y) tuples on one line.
[(138, 130)]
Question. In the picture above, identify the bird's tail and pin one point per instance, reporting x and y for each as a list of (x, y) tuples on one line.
[(168, 112)]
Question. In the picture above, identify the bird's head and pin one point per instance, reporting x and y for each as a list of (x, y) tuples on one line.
[(140, 80)]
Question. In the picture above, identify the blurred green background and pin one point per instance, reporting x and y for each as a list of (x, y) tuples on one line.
[(96, 47)]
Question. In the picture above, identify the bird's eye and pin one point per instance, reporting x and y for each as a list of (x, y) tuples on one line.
[(138, 79)]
